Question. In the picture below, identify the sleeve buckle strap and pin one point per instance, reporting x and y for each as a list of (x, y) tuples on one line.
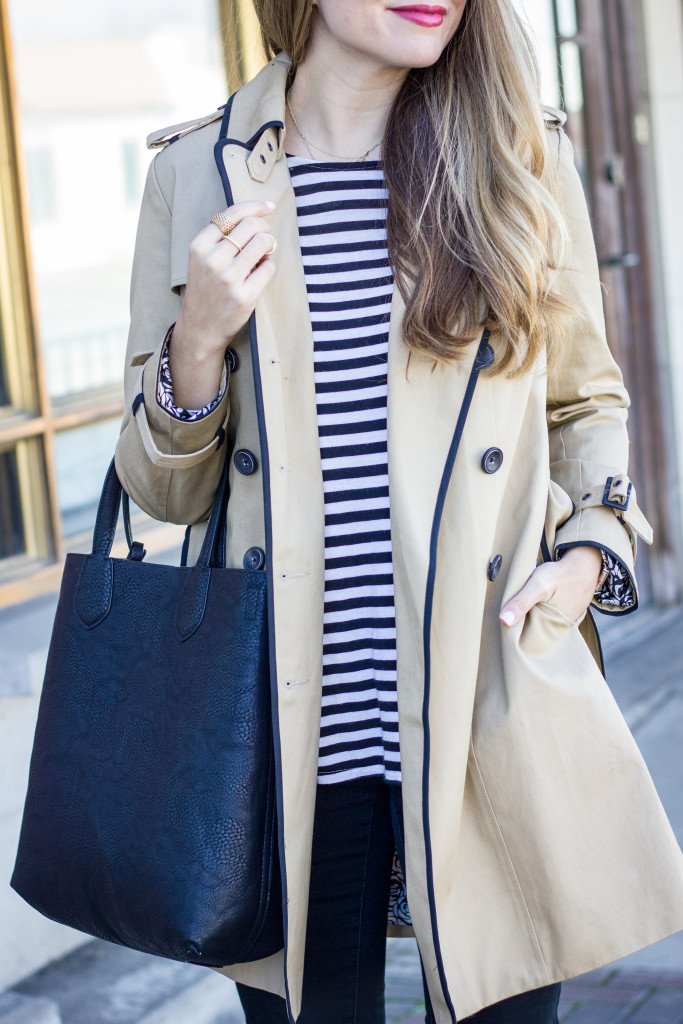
[(617, 492)]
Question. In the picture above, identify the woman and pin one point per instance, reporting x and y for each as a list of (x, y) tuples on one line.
[(421, 406)]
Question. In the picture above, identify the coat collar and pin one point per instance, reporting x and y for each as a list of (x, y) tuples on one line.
[(257, 117)]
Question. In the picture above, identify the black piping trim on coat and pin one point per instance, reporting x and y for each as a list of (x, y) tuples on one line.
[(225, 121), (223, 140), (597, 637), (257, 135), (250, 143), (545, 550), (483, 358)]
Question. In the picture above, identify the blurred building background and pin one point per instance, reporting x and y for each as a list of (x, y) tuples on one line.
[(80, 88)]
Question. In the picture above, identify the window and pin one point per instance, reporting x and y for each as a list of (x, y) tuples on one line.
[(80, 90), (80, 455), (554, 28)]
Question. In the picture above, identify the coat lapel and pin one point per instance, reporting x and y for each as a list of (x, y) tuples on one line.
[(252, 161)]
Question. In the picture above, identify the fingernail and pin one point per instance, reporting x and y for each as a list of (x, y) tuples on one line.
[(269, 204), (508, 618)]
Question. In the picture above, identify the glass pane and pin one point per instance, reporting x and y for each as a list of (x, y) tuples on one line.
[(572, 84), (93, 80), (571, 77), (40, 173), (538, 16), (11, 527), (82, 457), (566, 18)]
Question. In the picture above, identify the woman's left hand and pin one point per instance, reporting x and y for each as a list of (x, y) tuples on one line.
[(569, 584)]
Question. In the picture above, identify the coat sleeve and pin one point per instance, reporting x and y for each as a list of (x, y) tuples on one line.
[(170, 467), (587, 403)]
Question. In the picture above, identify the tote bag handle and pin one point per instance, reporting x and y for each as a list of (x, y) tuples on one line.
[(92, 599)]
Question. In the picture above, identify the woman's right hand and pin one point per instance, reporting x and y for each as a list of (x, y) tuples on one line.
[(220, 295)]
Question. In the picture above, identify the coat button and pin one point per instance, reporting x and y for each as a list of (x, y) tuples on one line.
[(494, 567), (254, 558), (245, 461), (492, 460), (233, 361)]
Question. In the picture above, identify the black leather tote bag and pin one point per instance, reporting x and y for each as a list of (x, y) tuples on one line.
[(150, 814)]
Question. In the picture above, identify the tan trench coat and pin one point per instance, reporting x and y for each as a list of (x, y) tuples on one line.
[(537, 847)]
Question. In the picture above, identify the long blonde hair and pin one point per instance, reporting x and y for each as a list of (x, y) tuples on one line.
[(475, 235)]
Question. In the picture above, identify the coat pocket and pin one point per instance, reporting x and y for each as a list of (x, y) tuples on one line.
[(557, 614), (545, 628)]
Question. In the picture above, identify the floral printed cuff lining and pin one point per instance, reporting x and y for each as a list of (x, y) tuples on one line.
[(165, 390), (617, 591)]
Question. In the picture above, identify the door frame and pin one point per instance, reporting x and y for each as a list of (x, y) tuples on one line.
[(621, 188)]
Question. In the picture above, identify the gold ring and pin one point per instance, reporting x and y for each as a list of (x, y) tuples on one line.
[(222, 221), (228, 239)]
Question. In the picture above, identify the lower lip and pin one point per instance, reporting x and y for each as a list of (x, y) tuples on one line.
[(430, 20)]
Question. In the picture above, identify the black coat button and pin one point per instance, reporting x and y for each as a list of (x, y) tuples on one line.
[(233, 360), (254, 558), (245, 461), (494, 567), (492, 460)]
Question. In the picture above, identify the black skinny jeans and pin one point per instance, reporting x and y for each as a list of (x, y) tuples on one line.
[(355, 827)]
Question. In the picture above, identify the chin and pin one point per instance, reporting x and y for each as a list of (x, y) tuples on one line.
[(411, 53)]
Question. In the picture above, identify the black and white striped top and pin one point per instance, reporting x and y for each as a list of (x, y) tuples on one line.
[(341, 211)]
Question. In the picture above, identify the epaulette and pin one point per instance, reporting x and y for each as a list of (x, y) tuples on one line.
[(553, 117), (165, 136)]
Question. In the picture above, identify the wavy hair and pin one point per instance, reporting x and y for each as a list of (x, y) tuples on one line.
[(475, 235)]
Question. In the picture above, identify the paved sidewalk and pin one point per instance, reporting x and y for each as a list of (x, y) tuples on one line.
[(608, 996)]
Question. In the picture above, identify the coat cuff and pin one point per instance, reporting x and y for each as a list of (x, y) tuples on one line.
[(605, 515), (169, 441), (165, 395), (606, 503), (618, 594)]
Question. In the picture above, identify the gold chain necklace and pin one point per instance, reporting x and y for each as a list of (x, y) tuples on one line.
[(325, 151)]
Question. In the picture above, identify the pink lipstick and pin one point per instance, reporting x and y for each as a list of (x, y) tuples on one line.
[(422, 14)]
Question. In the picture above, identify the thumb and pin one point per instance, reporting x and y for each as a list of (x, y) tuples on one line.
[(516, 608)]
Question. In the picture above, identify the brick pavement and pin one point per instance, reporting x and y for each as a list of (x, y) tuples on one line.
[(609, 995)]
